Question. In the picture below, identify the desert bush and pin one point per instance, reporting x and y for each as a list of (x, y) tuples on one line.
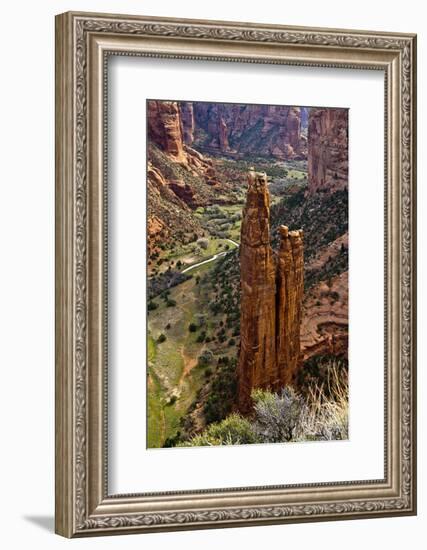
[(201, 337), (161, 338), (276, 415), (164, 281), (205, 358), (284, 416), (234, 430), (222, 392), (325, 415), (203, 243)]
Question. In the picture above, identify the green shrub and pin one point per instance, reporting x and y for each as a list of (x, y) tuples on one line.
[(205, 359), (201, 337), (234, 430), (223, 391), (285, 416), (161, 338)]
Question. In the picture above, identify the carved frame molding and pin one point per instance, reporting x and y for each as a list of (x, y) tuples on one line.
[(83, 43)]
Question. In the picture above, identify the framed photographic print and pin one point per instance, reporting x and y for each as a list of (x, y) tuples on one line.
[(235, 274)]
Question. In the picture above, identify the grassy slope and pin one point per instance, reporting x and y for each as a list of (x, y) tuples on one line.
[(173, 371)]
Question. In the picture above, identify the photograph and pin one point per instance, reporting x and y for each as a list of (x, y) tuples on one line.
[(235, 271), (247, 273)]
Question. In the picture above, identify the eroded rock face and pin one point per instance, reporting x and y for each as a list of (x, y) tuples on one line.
[(265, 130), (324, 328), (271, 298), (187, 122), (157, 232), (328, 147), (171, 128), (257, 359), (168, 215), (164, 128), (290, 291)]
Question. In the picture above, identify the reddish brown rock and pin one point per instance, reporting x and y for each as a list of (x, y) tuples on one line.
[(266, 130), (179, 178), (257, 358), (223, 134), (164, 128), (328, 150), (187, 122), (183, 191), (290, 291), (324, 328), (271, 298), (168, 216), (157, 232), (155, 177)]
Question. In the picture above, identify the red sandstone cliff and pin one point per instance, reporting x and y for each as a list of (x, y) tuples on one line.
[(271, 298), (187, 122), (171, 127), (164, 128), (328, 150), (264, 130), (179, 178)]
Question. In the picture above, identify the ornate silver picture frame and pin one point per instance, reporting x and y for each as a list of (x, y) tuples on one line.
[(84, 42)]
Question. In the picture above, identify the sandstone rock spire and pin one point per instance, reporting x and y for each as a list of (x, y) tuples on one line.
[(257, 358), (271, 298), (290, 290)]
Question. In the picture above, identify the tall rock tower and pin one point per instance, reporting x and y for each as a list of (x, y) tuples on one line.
[(257, 359), (290, 290), (271, 298)]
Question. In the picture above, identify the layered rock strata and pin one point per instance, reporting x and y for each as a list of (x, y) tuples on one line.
[(271, 298), (165, 129), (171, 128), (179, 178), (328, 150), (324, 327), (239, 130)]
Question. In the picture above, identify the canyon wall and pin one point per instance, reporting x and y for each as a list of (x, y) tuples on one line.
[(179, 178), (328, 150), (171, 128), (241, 130), (165, 128), (271, 298)]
